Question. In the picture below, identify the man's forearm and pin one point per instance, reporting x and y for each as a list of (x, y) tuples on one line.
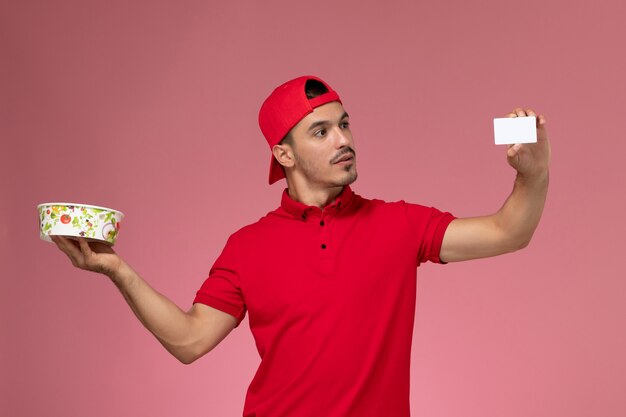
[(186, 335), (507, 230), (169, 324), (519, 216)]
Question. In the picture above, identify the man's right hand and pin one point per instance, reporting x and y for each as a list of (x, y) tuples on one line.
[(92, 256)]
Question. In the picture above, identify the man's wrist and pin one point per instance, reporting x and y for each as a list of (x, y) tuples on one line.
[(122, 276), (538, 179)]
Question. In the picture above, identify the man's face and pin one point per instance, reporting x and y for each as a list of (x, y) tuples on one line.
[(320, 141)]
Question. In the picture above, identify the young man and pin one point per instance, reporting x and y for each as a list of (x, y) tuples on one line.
[(328, 279)]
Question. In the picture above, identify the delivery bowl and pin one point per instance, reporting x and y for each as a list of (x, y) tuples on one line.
[(79, 220)]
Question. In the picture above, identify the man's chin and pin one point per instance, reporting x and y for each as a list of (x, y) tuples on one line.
[(348, 179)]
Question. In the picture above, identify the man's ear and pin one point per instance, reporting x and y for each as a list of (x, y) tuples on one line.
[(283, 154)]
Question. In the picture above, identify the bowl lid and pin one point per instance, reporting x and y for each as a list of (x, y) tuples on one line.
[(79, 205)]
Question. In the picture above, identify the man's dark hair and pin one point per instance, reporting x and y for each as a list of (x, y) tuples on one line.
[(312, 88)]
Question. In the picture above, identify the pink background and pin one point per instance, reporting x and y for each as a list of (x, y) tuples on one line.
[(139, 104)]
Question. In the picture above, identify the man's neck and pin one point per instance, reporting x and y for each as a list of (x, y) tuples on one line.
[(314, 197)]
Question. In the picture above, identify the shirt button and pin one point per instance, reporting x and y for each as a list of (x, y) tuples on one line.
[(323, 246), (322, 223)]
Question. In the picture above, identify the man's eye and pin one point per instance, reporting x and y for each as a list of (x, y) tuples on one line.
[(345, 125), (320, 132)]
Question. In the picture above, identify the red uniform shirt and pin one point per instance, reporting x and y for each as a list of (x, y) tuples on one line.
[(330, 295)]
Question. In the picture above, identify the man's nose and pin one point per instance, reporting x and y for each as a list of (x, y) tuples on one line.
[(343, 139)]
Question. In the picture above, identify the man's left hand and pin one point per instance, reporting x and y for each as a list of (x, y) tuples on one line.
[(530, 160)]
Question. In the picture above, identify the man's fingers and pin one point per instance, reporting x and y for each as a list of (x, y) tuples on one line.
[(87, 256), (520, 112), (517, 112), (63, 243), (513, 150), (68, 247), (84, 247)]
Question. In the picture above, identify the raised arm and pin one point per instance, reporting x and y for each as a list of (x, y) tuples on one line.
[(186, 335), (511, 227)]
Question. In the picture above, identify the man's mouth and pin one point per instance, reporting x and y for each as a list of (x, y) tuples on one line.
[(347, 157)]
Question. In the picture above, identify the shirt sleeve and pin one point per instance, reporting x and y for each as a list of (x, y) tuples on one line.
[(222, 290), (428, 225)]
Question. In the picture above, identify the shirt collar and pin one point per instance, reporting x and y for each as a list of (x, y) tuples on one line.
[(301, 211)]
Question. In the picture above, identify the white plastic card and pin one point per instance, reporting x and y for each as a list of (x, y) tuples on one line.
[(509, 130)]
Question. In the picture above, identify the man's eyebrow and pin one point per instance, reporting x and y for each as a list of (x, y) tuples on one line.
[(323, 122)]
